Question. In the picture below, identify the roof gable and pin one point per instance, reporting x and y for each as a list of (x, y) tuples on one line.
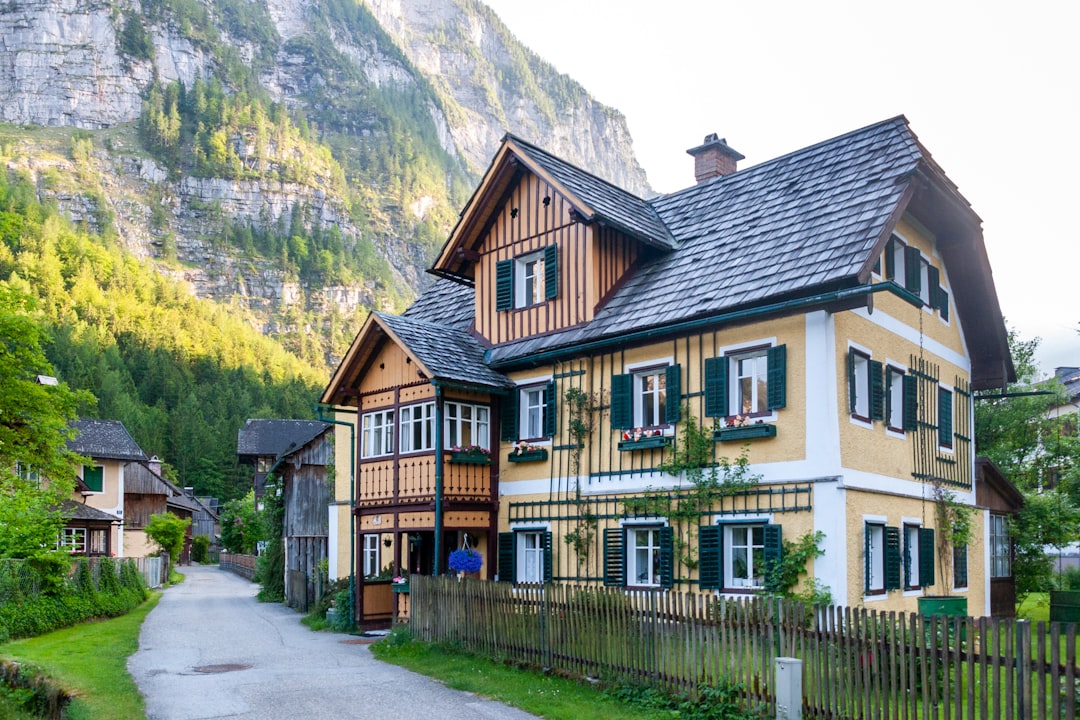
[(104, 439)]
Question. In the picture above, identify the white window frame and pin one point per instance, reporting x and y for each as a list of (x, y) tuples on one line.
[(650, 400), (418, 418), (371, 555), (455, 425), (910, 556), (377, 434), (894, 398), (529, 280), (651, 548), (924, 282), (861, 411), (756, 372), (97, 541), (1000, 547), (875, 529), (899, 261), (755, 577), (72, 540), (530, 558), (531, 410), (28, 473)]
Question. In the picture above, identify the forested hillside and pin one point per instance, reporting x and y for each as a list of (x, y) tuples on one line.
[(182, 374)]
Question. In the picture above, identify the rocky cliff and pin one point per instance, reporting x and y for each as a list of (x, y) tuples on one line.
[(410, 97)]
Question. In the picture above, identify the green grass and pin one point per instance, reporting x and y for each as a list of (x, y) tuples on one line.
[(548, 696), (91, 660)]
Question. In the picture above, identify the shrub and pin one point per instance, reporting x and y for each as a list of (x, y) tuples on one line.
[(168, 531)]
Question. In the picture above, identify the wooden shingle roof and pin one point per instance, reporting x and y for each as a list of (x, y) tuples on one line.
[(104, 439), (270, 438)]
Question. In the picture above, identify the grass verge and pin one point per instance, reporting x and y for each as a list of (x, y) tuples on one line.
[(551, 697), (91, 660)]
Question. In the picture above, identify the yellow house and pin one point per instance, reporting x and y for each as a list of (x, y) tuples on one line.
[(658, 393)]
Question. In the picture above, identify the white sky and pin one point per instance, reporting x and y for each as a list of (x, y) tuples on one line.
[(991, 88)]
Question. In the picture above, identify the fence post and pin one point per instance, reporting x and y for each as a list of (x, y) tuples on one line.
[(1023, 671), (789, 688)]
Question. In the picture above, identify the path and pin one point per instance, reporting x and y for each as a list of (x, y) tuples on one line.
[(265, 665)]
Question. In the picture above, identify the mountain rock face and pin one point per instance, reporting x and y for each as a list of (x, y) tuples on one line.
[(391, 85)]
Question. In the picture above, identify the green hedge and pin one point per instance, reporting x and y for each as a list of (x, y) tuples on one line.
[(87, 595)]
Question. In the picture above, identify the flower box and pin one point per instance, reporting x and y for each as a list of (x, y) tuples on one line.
[(528, 456), (645, 443), (745, 432), (400, 587), (470, 458)]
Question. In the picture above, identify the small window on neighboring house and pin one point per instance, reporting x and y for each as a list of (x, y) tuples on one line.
[(646, 398), (529, 413), (371, 555), (377, 434), (527, 280), (960, 567), (866, 387), (894, 398), (924, 281), (94, 477), (918, 557), (466, 424), (73, 540), (639, 556), (27, 473), (525, 556), (945, 417), (1000, 547), (895, 260), (98, 542), (881, 558), (264, 464), (417, 427), (746, 382)]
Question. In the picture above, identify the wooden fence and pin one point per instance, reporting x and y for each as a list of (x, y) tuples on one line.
[(857, 663), (243, 565), (155, 570)]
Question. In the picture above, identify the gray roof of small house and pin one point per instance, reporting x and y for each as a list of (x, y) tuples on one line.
[(81, 511), (445, 302), (104, 439), (804, 222), (611, 204), (1070, 378), (271, 438), (450, 353)]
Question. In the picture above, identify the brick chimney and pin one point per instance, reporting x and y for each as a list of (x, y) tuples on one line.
[(714, 158), (155, 465)]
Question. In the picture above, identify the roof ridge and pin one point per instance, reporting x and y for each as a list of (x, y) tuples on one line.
[(564, 161)]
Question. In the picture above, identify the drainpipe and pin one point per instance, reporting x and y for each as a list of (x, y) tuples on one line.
[(438, 475), (352, 500)]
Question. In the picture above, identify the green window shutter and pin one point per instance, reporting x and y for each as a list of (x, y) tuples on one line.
[(716, 393), (943, 302), (551, 410), (945, 433), (622, 406), (94, 477), (911, 403), (913, 269), (892, 558), (614, 557), (852, 384), (551, 272), (777, 362), (867, 551), (547, 557), (667, 557), (504, 285), (710, 557), (877, 390), (774, 553), (890, 259), (907, 560), (507, 555), (960, 570), (509, 416), (933, 280), (673, 394), (926, 557)]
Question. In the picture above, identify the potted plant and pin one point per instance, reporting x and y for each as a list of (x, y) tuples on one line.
[(466, 560), (524, 452), (954, 528), (470, 454)]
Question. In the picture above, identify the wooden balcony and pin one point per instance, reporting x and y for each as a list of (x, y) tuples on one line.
[(411, 479)]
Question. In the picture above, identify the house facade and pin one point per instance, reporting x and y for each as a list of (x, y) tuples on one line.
[(657, 394), (100, 490)]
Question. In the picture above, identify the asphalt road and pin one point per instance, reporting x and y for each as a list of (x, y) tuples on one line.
[(210, 650)]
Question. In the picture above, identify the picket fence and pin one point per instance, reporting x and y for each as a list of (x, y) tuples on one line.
[(857, 663)]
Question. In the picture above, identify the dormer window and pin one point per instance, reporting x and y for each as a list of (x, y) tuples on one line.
[(527, 280)]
